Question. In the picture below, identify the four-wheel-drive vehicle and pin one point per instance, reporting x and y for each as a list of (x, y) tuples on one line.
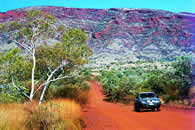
[(146, 100)]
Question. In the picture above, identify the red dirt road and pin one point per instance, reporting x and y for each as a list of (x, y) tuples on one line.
[(102, 115)]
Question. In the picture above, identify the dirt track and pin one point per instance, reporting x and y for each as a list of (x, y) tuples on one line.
[(102, 115)]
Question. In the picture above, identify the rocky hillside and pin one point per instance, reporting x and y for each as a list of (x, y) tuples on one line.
[(123, 34)]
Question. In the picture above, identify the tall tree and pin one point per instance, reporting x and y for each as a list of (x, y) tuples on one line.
[(49, 63)]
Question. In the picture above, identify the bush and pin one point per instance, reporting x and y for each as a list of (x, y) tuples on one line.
[(117, 86), (75, 89), (80, 95), (183, 71), (7, 98), (9, 94)]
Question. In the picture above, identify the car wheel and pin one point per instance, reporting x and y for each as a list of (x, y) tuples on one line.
[(153, 109), (136, 108), (158, 109)]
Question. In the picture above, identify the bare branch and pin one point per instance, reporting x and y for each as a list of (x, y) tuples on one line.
[(49, 79), (25, 47), (49, 71), (52, 81), (35, 34), (61, 78), (38, 81), (38, 88)]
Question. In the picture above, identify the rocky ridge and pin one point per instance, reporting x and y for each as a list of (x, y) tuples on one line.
[(122, 34)]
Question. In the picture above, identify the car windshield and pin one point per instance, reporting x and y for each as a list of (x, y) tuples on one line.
[(147, 95)]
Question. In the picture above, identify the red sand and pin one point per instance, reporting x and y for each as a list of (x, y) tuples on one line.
[(102, 115)]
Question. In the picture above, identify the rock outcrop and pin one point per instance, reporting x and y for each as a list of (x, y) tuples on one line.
[(142, 33)]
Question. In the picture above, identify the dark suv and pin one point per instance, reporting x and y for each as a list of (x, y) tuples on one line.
[(146, 100)]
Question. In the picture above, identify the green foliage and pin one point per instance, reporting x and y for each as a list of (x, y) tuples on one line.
[(183, 66), (10, 95), (117, 85), (13, 66), (73, 52), (13, 63), (87, 73), (75, 89), (14, 25), (37, 25), (183, 71), (6, 98), (172, 84), (97, 78)]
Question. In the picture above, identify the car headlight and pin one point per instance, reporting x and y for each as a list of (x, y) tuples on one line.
[(148, 101), (143, 102), (157, 101)]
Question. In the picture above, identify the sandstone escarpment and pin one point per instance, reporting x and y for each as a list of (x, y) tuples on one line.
[(143, 33)]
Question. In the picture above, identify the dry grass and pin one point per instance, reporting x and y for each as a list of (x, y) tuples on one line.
[(12, 116), (55, 114)]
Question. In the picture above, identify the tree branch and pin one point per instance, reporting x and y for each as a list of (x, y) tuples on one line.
[(61, 78), (38, 81), (49, 81), (21, 44), (38, 88)]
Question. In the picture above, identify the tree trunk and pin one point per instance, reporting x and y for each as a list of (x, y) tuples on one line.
[(33, 73), (43, 93)]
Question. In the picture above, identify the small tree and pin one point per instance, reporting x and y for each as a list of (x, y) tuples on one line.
[(49, 63)]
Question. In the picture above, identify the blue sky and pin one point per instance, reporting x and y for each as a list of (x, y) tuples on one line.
[(170, 5)]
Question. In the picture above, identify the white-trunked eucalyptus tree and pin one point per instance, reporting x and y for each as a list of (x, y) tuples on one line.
[(49, 62)]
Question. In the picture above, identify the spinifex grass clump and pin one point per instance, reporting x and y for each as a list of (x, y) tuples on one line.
[(12, 117), (56, 114)]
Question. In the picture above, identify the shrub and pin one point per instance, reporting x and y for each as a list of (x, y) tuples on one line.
[(183, 71), (7, 98), (80, 95), (75, 89), (117, 85), (9, 94)]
